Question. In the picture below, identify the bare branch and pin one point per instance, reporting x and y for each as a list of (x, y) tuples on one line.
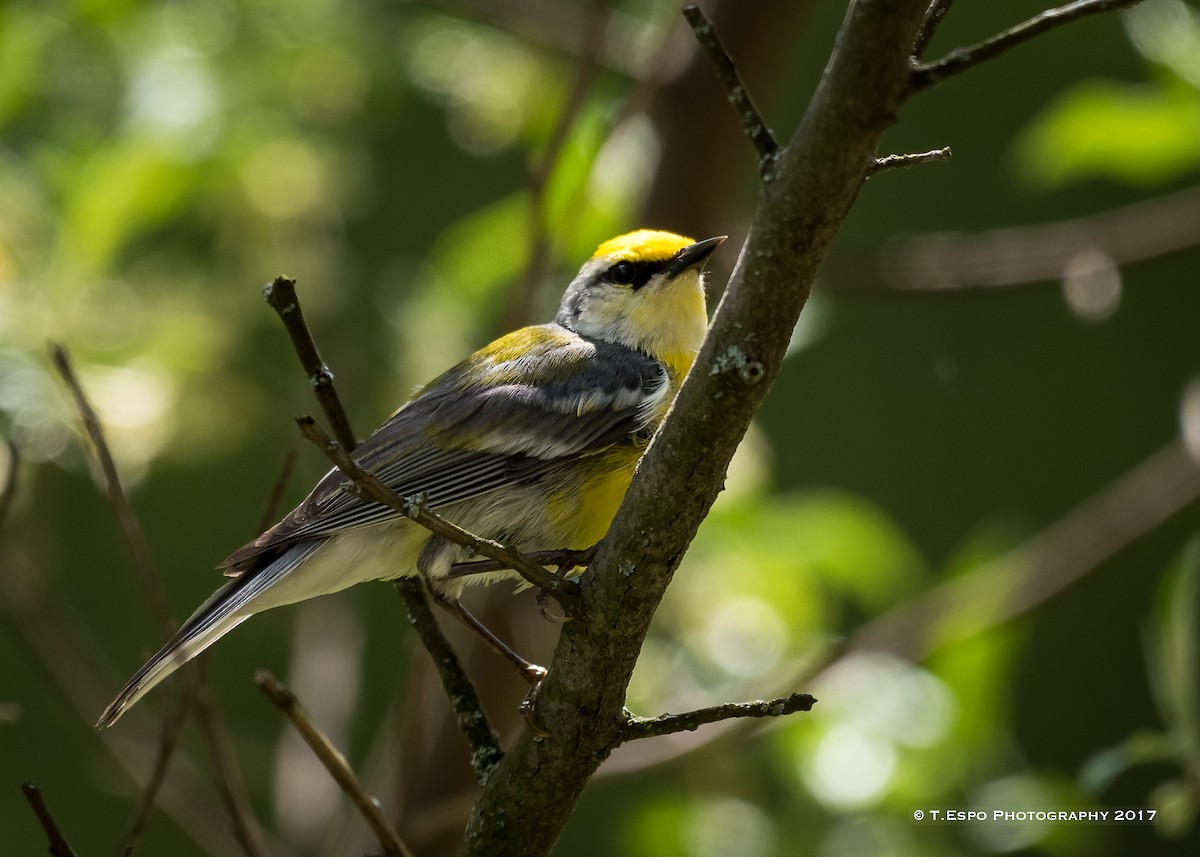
[(468, 711), (1010, 585), (56, 644), (232, 784), (564, 559), (334, 762), (1157, 488), (925, 75), (893, 162), (147, 576), (1019, 255), (229, 773), (59, 847), (667, 724), (414, 508), (168, 739), (933, 19), (815, 180), (756, 130), (281, 296), (481, 739), (285, 473)]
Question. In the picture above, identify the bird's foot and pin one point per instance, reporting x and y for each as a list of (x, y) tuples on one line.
[(529, 704)]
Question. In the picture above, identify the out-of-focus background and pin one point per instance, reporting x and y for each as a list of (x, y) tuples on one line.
[(995, 344)]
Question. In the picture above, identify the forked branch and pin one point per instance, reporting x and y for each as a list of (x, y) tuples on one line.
[(925, 75), (233, 785), (475, 726)]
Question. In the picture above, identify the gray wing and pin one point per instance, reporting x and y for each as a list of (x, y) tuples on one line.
[(525, 404)]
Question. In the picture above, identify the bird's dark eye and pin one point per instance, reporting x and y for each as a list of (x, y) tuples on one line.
[(622, 273)]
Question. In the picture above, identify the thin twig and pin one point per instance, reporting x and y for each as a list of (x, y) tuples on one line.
[(667, 724), (464, 699), (230, 780), (285, 473), (59, 847), (1014, 583), (894, 162), (168, 740), (476, 728), (1001, 590), (1019, 255), (229, 772), (56, 642), (925, 75), (8, 489), (564, 559), (335, 763), (281, 296), (560, 588), (752, 122), (135, 539), (414, 508), (933, 19)]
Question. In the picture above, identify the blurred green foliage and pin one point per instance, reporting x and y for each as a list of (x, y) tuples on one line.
[(160, 162), (1142, 134)]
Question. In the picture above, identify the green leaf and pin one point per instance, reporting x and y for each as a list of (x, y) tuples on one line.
[(485, 250), (1138, 135), (1176, 802), (117, 193), (1173, 652)]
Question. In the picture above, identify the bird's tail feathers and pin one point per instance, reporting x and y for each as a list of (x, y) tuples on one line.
[(221, 613)]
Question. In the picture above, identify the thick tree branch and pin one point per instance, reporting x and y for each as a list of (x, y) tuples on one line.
[(668, 724), (59, 847), (925, 75), (281, 297), (1164, 484), (810, 190), (335, 763), (814, 183), (755, 128)]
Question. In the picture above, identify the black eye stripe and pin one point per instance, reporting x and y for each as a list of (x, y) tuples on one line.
[(635, 274)]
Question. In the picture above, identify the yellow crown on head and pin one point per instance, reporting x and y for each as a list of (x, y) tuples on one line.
[(644, 245)]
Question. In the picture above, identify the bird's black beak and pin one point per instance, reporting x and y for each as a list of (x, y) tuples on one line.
[(693, 255)]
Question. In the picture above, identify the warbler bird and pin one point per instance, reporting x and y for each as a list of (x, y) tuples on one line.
[(531, 441)]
